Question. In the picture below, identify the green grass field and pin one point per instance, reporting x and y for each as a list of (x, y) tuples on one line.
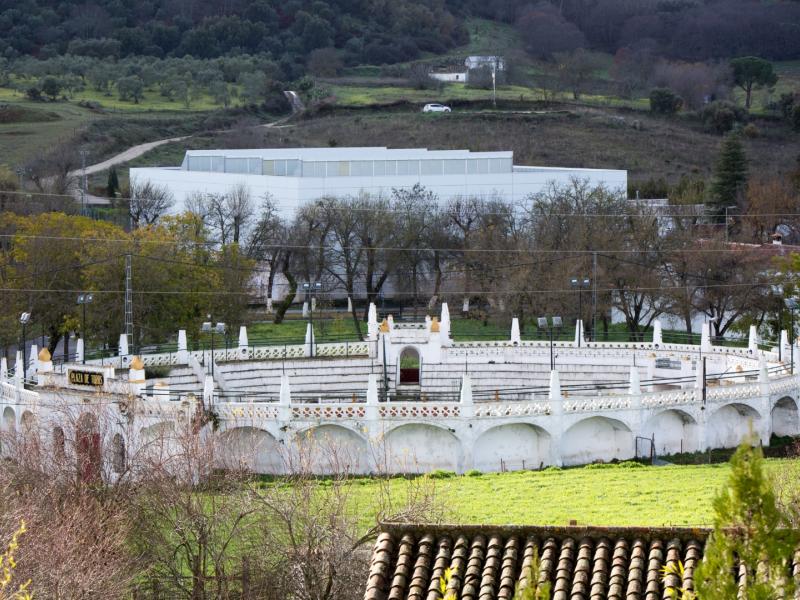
[(592, 495)]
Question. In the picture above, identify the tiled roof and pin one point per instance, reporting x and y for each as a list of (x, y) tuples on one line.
[(487, 562)]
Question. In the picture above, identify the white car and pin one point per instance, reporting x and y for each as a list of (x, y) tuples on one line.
[(435, 108)]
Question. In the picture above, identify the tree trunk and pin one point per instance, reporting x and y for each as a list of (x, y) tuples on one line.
[(284, 304)]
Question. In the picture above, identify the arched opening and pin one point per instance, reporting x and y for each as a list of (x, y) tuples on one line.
[(158, 441), (59, 444), (597, 439), (731, 425), (418, 448), (252, 449), (119, 456), (673, 431), (511, 448), (9, 420), (409, 366), (329, 449), (785, 419), (88, 448), (30, 437)]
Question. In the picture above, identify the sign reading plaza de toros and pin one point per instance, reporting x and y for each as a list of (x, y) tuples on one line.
[(86, 378)]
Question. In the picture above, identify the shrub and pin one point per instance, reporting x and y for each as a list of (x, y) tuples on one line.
[(751, 131), (664, 101), (441, 474), (630, 464), (473, 473), (553, 468), (721, 116)]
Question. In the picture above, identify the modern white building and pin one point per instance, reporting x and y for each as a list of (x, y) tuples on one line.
[(294, 176)]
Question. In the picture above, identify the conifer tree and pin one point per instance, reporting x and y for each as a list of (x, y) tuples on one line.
[(112, 187), (730, 175), (751, 538)]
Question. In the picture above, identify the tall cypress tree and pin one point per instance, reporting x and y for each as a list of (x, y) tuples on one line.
[(730, 175), (112, 186)]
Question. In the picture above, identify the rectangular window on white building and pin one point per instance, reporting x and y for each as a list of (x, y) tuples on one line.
[(454, 167), (478, 166), (269, 167), (236, 165), (338, 168), (431, 167), (199, 163), (313, 169), (408, 167), (293, 168), (254, 166), (361, 168), (218, 164), (499, 165)]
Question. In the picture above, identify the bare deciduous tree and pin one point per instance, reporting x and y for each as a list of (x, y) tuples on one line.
[(148, 202)]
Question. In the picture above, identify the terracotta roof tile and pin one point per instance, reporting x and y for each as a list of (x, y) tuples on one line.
[(487, 563)]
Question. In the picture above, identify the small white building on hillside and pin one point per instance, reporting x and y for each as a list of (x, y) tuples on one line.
[(295, 176)]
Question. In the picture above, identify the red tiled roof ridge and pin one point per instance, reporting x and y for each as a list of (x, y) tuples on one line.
[(681, 532)]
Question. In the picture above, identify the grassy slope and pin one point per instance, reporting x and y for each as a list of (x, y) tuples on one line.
[(647, 496), (572, 138)]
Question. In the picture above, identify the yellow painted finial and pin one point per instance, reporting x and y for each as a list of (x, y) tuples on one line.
[(44, 355), (385, 326), (137, 363), (435, 325)]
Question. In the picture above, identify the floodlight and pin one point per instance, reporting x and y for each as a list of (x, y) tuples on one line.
[(25, 318), (542, 322), (206, 327), (219, 328), (557, 323), (791, 303)]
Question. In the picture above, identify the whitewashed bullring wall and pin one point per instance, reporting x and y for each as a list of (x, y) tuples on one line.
[(268, 412)]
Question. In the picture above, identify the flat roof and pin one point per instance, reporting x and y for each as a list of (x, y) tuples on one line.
[(349, 153)]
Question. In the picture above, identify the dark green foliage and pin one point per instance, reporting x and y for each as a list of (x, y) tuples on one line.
[(112, 187), (51, 87), (721, 116), (367, 32), (664, 101), (749, 529), (730, 175), (752, 72)]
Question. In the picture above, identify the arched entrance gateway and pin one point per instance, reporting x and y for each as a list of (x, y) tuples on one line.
[(88, 446), (409, 366)]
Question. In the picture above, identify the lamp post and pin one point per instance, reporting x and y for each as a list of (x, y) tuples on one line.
[(791, 304), (311, 293), (545, 325), (209, 327), (83, 300), (24, 319), (581, 283)]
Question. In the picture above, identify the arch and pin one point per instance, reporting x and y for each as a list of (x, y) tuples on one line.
[(252, 449), (731, 424), (517, 445), (119, 454), (59, 444), (410, 363), (596, 438), (9, 420), (332, 448), (88, 448), (673, 431), (27, 422), (785, 420), (158, 441), (419, 448)]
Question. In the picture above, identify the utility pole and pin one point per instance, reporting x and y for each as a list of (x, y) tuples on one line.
[(594, 296), (83, 154), (128, 298)]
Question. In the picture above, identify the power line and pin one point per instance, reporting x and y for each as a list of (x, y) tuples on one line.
[(334, 293), (213, 244)]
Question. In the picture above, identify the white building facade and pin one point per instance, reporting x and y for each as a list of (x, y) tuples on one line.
[(292, 177)]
